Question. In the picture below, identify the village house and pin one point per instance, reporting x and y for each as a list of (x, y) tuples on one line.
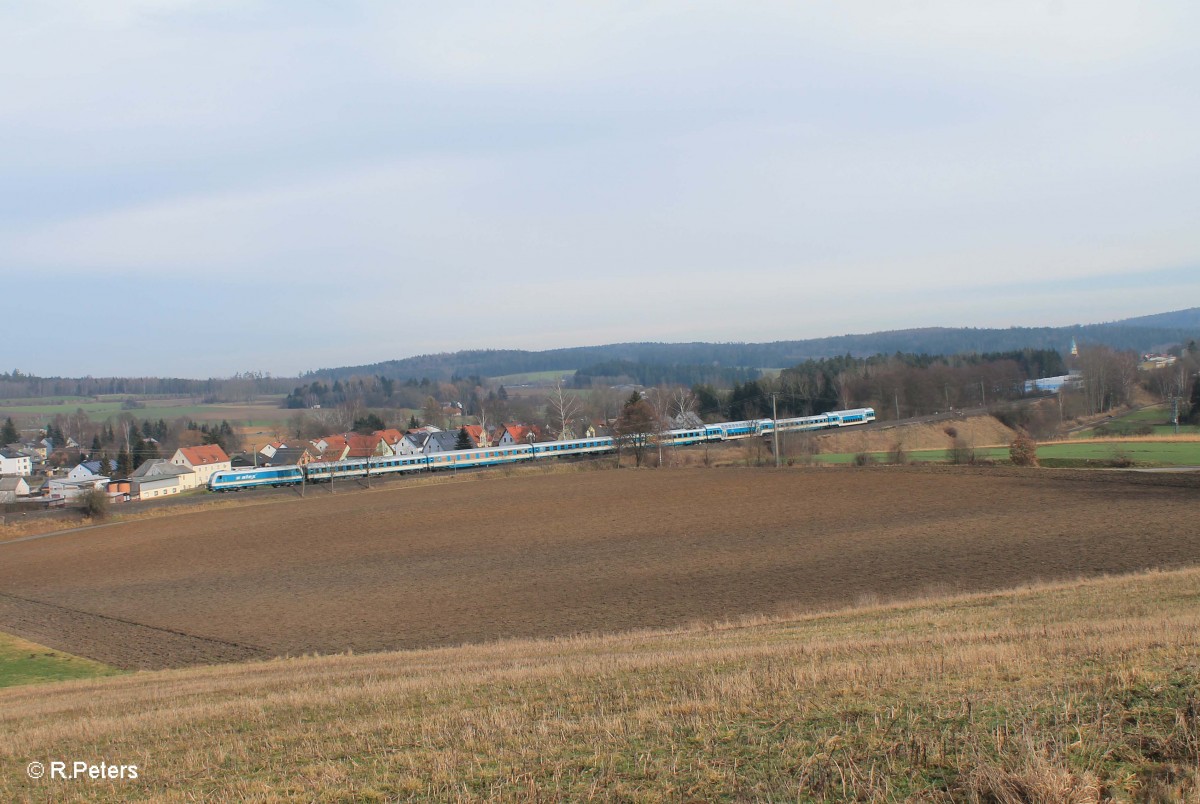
[(331, 448), (269, 448), (415, 441), (509, 434), (291, 456), (15, 463), (367, 446), (393, 438), (85, 471), (204, 461), (478, 435), (441, 442)]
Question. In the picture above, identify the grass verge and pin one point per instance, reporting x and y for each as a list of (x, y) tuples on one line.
[(1084, 691)]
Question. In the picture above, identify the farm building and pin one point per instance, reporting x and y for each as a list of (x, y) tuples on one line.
[(12, 488), (71, 489), (158, 477)]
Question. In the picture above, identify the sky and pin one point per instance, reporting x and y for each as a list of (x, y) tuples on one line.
[(202, 188)]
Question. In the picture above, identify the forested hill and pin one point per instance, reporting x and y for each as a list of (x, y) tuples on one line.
[(1148, 333)]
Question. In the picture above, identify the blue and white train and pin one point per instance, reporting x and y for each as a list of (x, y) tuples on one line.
[(326, 471)]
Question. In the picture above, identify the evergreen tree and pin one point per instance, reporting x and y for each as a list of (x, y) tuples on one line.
[(95, 443), (124, 463), (1194, 403), (365, 425), (8, 433), (143, 451), (413, 424), (464, 439)]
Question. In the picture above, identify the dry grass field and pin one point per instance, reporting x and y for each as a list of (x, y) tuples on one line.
[(1081, 692), (598, 551)]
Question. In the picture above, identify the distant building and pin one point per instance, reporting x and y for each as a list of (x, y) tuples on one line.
[(1155, 362)]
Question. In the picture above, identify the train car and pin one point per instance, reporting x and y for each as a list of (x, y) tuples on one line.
[(856, 416), (741, 429), (235, 479), (325, 471), (805, 423), (685, 437), (398, 463)]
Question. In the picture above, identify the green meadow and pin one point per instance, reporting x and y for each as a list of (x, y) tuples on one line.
[(1084, 453), (24, 662)]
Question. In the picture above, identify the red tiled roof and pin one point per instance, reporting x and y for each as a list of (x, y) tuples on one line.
[(518, 432), (362, 446), (392, 436), (205, 455)]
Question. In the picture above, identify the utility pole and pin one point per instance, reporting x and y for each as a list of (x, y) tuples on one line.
[(896, 397), (775, 427), (982, 393)]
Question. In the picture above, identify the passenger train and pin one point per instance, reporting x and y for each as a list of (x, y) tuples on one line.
[(326, 471)]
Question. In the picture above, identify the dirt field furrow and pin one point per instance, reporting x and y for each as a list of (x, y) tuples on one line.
[(404, 567), (114, 641)]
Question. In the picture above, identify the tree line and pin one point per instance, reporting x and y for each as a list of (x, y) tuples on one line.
[(242, 387)]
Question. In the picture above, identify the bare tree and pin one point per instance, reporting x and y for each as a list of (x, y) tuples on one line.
[(432, 411), (683, 402), (563, 408), (637, 427), (662, 400)]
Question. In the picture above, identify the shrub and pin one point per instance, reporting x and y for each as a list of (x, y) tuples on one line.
[(962, 452), (864, 459), (1023, 451), (1120, 459), (898, 455), (95, 503)]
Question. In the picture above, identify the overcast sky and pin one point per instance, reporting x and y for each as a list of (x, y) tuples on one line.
[(201, 188)]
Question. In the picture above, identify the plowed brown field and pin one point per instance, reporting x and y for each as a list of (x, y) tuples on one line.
[(592, 551)]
